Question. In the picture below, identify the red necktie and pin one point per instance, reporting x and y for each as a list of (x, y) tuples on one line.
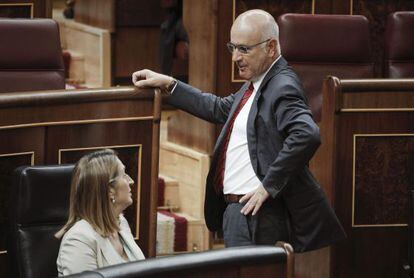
[(218, 183)]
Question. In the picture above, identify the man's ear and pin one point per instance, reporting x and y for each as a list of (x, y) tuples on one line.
[(273, 47)]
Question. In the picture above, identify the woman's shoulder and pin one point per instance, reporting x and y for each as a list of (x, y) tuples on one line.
[(80, 230), (78, 249)]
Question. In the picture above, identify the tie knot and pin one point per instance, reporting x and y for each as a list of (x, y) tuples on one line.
[(251, 88), (248, 92)]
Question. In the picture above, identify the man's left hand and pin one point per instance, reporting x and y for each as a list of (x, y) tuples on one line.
[(254, 200)]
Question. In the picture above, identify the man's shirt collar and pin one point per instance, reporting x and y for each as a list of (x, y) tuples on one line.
[(258, 80)]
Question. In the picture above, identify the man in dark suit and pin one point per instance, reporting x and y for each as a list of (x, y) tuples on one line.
[(259, 189)]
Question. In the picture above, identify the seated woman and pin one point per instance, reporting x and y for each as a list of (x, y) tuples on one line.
[(97, 234)]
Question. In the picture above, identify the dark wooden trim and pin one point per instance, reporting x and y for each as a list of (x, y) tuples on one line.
[(154, 172), (377, 85), (40, 98)]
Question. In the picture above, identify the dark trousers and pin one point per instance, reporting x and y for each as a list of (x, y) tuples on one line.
[(265, 228)]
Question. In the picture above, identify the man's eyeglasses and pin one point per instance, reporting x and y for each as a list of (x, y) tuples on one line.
[(243, 49)]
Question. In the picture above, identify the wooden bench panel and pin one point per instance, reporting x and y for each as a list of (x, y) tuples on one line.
[(54, 127)]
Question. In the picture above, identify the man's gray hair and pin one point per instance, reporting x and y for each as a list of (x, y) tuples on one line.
[(271, 31)]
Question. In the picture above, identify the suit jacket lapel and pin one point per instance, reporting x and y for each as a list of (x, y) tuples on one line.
[(277, 67), (251, 131)]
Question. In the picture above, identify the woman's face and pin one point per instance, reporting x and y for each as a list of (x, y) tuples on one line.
[(122, 186)]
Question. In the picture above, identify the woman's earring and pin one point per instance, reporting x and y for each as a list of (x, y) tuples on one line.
[(113, 200)]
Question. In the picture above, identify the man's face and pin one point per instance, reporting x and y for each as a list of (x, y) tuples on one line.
[(256, 60)]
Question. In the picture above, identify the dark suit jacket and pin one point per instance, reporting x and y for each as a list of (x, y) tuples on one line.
[(282, 137)]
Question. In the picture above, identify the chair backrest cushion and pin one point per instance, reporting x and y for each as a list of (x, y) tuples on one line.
[(399, 45), (320, 45), (31, 55), (38, 209)]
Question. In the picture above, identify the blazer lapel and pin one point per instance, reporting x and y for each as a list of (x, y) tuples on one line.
[(130, 242), (108, 251), (251, 131)]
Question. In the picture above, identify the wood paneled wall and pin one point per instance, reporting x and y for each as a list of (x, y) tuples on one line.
[(134, 48), (135, 28), (200, 18), (96, 13)]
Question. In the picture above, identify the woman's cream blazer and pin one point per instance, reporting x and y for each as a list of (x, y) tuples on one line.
[(82, 248)]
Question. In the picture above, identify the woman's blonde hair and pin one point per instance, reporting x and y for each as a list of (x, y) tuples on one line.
[(89, 196)]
